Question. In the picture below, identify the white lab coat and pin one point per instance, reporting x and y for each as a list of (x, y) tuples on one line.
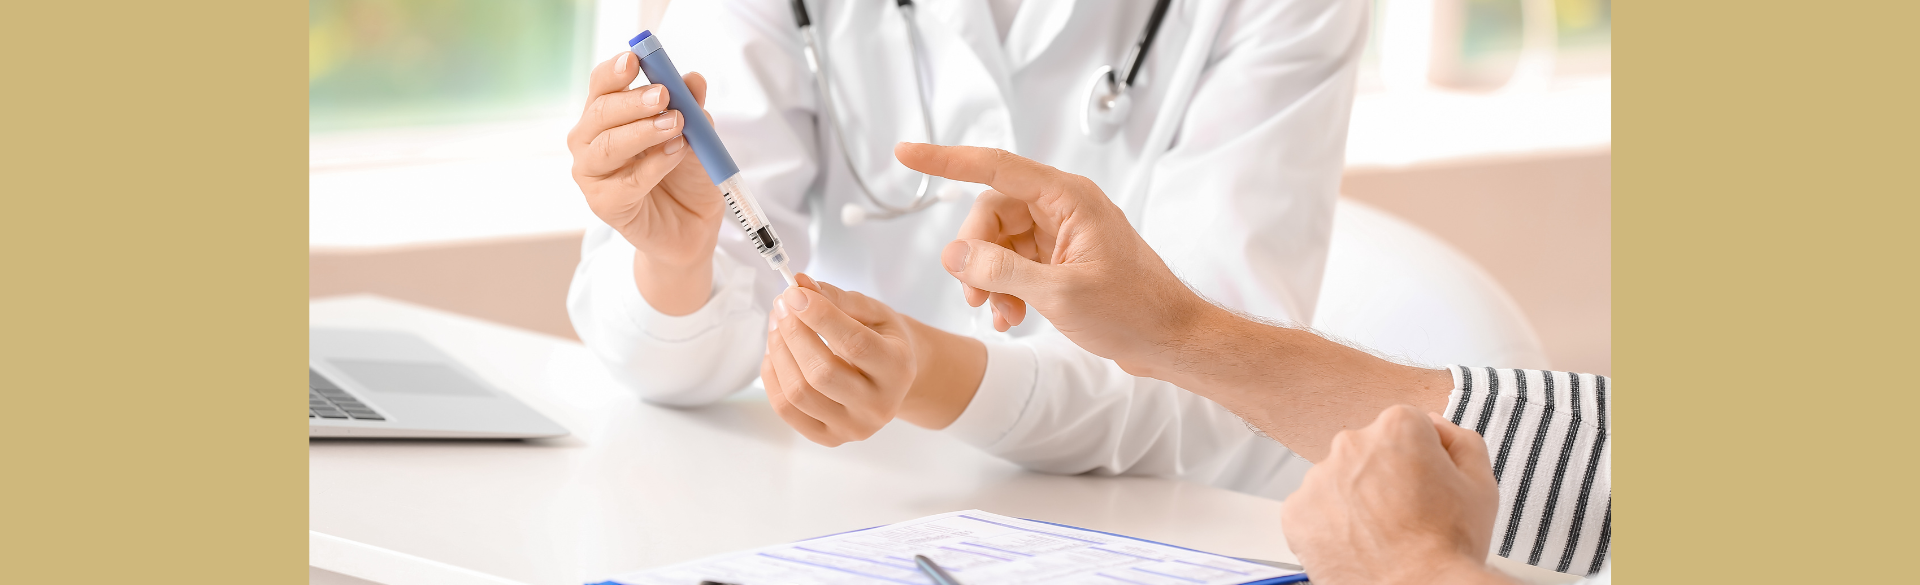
[(1235, 187)]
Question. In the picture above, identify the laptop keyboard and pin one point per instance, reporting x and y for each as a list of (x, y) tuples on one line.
[(326, 400)]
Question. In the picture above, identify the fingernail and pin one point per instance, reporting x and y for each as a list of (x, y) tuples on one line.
[(675, 146), (620, 62), (665, 120), (1005, 309), (795, 299), (652, 96), (954, 257), (773, 323), (779, 308)]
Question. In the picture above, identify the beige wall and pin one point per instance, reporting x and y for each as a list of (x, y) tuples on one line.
[(520, 282), (1542, 227)]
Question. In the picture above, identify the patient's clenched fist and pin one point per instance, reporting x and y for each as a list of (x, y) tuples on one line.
[(1409, 498)]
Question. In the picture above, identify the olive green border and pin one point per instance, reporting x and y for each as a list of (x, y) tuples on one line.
[(1766, 281), (153, 224)]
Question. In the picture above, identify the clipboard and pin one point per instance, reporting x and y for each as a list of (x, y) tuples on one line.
[(980, 548)]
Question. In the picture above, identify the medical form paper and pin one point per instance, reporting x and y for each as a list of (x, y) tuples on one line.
[(978, 548)]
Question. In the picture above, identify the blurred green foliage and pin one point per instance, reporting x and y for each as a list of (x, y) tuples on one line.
[(1493, 27), (1584, 23), (1491, 36), (382, 63)]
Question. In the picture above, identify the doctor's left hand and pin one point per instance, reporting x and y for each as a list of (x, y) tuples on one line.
[(838, 364)]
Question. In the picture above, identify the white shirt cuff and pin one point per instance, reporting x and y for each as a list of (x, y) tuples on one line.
[(1004, 394), (616, 282)]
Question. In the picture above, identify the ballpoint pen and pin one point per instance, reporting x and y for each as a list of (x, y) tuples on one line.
[(933, 571)]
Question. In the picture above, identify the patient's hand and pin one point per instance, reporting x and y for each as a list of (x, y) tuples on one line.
[(1052, 239), (1409, 498)]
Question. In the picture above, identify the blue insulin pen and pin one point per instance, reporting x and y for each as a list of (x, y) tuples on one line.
[(713, 155)]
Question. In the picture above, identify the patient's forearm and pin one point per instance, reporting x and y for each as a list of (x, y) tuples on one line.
[(1297, 387)]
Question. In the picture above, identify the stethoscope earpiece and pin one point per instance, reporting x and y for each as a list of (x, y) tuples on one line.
[(853, 214)]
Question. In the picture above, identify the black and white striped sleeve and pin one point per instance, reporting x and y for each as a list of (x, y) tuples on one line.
[(1548, 434)]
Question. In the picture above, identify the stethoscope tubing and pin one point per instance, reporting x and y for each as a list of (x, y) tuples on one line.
[(818, 65), (921, 199), (821, 69), (1137, 55)]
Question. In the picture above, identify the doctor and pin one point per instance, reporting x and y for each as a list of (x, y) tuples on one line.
[(1226, 155)]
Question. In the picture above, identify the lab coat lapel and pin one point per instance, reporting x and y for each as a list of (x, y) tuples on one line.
[(973, 79), (969, 22), (1035, 27)]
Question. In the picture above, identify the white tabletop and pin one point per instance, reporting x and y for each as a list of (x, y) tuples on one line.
[(640, 486)]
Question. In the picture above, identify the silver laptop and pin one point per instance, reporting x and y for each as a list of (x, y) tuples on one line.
[(364, 383)]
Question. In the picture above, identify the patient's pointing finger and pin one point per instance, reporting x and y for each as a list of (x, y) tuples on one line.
[(1008, 173)]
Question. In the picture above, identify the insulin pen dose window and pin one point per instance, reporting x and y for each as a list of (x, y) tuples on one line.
[(384, 63)]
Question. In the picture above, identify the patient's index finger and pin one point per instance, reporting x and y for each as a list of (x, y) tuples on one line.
[(1008, 173)]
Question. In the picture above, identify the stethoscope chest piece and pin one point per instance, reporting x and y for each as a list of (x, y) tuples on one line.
[(1107, 106)]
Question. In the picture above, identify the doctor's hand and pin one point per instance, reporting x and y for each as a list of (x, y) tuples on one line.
[(1051, 239), (840, 365), (627, 155), (1409, 498)]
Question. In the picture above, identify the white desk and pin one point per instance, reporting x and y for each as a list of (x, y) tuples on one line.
[(639, 486)]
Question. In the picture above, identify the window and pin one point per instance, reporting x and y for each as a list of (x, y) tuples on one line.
[(1478, 44), (388, 63), (1491, 34)]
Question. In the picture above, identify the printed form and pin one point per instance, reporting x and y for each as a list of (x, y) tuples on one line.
[(979, 548)]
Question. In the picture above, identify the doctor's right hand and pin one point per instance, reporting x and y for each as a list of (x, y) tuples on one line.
[(627, 155)]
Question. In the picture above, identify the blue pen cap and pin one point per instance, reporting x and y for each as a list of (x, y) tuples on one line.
[(698, 130)]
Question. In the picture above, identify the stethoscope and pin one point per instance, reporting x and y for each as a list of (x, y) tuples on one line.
[(1108, 104)]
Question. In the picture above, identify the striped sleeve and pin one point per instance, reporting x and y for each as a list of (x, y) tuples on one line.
[(1548, 434)]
